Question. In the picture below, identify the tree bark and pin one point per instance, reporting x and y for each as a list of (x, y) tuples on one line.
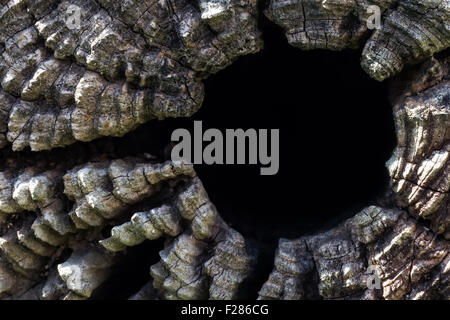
[(66, 221)]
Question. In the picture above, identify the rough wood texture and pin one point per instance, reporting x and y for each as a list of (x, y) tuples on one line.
[(127, 63), (413, 260), (420, 165), (65, 225), (102, 192), (410, 31)]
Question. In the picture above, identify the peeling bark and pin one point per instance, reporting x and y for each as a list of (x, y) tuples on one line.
[(420, 165), (410, 32), (125, 65), (65, 226), (412, 262)]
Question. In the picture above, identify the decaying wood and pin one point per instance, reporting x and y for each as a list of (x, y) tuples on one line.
[(134, 61), (125, 64), (102, 192), (410, 30)]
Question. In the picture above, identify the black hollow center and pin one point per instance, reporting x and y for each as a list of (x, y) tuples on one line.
[(336, 133)]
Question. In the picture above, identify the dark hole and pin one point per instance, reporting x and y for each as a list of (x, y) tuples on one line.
[(132, 273), (336, 133)]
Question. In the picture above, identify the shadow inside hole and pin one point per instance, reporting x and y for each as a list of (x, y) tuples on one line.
[(132, 272), (336, 133)]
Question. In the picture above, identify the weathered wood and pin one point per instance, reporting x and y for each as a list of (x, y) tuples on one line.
[(127, 63)]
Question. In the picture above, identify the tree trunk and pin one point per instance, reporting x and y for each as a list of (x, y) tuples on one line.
[(73, 203)]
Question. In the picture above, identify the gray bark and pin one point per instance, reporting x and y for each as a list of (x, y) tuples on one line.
[(131, 62)]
